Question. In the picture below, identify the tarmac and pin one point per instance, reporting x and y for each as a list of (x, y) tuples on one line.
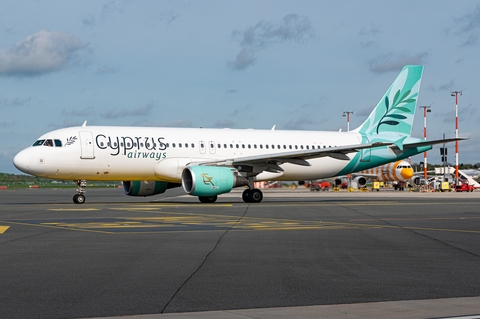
[(298, 254)]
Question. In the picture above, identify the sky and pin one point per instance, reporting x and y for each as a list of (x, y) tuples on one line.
[(237, 64)]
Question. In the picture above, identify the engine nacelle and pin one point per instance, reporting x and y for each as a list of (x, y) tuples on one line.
[(360, 181), (415, 181), (142, 188), (210, 180)]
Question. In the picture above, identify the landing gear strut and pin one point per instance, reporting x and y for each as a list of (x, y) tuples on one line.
[(80, 198)]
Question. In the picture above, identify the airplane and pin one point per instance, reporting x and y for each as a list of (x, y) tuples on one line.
[(211, 162), (398, 171)]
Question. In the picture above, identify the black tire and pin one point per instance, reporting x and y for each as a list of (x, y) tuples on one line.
[(207, 199), (255, 196), (246, 196), (79, 199)]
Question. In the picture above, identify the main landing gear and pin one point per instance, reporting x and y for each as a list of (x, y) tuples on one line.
[(80, 198), (253, 195), (207, 199)]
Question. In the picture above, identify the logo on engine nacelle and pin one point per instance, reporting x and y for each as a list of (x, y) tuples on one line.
[(207, 180)]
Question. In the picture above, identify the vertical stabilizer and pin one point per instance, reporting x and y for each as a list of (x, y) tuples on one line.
[(395, 111)]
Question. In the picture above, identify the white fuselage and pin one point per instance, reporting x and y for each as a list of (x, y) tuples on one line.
[(148, 153)]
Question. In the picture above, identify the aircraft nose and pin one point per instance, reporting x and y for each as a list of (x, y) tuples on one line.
[(22, 161), (407, 173)]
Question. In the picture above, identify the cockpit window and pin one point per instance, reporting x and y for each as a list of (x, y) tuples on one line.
[(48, 142), (38, 143)]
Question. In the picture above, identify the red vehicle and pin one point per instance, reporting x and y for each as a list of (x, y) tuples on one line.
[(463, 186)]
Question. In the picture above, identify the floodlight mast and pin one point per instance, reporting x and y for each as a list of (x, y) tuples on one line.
[(425, 110), (347, 114), (455, 94)]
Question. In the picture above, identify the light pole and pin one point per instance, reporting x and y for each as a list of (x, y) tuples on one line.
[(455, 94), (425, 110), (347, 114)]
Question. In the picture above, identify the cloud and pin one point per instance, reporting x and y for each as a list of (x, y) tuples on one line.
[(87, 111), (106, 69), (88, 20), (138, 111), (224, 123), (41, 53), (393, 62), (292, 28), (369, 33), (16, 102), (469, 25), (241, 111), (299, 123)]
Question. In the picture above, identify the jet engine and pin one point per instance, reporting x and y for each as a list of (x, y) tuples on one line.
[(415, 181), (145, 188), (210, 180), (360, 181)]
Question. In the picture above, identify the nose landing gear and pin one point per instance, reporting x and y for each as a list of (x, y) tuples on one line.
[(80, 198)]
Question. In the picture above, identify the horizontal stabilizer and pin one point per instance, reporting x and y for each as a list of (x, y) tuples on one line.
[(433, 142)]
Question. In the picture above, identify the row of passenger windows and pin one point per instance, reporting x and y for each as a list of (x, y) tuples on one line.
[(238, 146), (58, 143), (266, 146)]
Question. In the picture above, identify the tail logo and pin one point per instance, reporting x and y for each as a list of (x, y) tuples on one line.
[(391, 116)]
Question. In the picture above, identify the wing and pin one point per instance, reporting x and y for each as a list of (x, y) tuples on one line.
[(272, 160)]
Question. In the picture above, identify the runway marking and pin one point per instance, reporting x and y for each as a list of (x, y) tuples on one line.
[(3, 229), (196, 223), (73, 209)]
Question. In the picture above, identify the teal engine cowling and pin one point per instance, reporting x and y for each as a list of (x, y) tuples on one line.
[(210, 180), (146, 188)]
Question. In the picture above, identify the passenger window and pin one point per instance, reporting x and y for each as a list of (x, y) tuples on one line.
[(173, 145), (266, 146)]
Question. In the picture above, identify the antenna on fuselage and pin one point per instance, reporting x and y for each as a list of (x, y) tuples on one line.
[(84, 123)]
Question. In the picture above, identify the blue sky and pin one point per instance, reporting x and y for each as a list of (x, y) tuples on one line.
[(238, 64)]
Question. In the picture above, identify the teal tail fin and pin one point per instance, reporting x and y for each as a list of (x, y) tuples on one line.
[(395, 111)]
